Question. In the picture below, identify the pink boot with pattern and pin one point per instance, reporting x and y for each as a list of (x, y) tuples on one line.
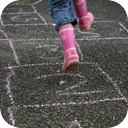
[(85, 18), (71, 59)]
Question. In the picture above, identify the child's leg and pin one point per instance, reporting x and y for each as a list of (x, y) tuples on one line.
[(62, 12), (65, 18), (85, 18)]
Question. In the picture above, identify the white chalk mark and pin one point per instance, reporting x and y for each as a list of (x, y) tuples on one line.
[(108, 21), (12, 47), (35, 39), (17, 19), (69, 103), (123, 26), (20, 10), (3, 39), (41, 64), (11, 116), (51, 57), (18, 13), (106, 38), (37, 2), (4, 1), (80, 93), (59, 74), (29, 65), (20, 4), (79, 50), (8, 87), (40, 24), (11, 8), (38, 13), (72, 87), (95, 34), (53, 49), (1, 21), (75, 123), (113, 83)]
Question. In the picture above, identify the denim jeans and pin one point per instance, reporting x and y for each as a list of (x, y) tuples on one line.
[(62, 12)]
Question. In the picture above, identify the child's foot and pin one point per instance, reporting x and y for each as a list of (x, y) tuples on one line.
[(86, 22), (85, 18), (71, 61)]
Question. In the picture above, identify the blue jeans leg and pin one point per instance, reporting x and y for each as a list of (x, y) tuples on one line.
[(62, 12)]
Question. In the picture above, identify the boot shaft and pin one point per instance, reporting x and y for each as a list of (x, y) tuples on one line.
[(66, 33), (80, 8)]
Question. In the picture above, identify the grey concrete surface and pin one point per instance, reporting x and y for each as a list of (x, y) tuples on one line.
[(36, 93)]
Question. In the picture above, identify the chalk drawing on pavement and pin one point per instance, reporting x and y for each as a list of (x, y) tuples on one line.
[(23, 18)]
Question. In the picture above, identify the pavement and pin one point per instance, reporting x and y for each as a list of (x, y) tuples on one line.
[(36, 93)]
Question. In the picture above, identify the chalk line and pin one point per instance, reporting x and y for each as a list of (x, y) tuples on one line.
[(70, 88), (53, 49), (81, 93), (19, 4), (41, 64), (39, 15), (12, 47), (40, 24), (11, 8), (59, 74), (96, 34), (51, 57), (8, 87), (105, 21), (29, 65), (20, 10), (15, 19), (105, 38), (1, 21), (4, 39), (20, 13), (36, 2), (11, 117), (75, 123), (113, 83), (68, 104), (79, 50), (123, 26)]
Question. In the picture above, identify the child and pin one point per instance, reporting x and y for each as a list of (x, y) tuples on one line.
[(65, 18)]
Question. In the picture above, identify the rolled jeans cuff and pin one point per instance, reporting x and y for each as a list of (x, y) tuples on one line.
[(73, 21)]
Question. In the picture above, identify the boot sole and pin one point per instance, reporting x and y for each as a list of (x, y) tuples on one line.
[(88, 26), (73, 65)]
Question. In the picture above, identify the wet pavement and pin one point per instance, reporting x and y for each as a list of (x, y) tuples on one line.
[(36, 93)]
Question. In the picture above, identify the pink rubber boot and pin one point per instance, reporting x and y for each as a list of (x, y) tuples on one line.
[(85, 18), (71, 59)]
